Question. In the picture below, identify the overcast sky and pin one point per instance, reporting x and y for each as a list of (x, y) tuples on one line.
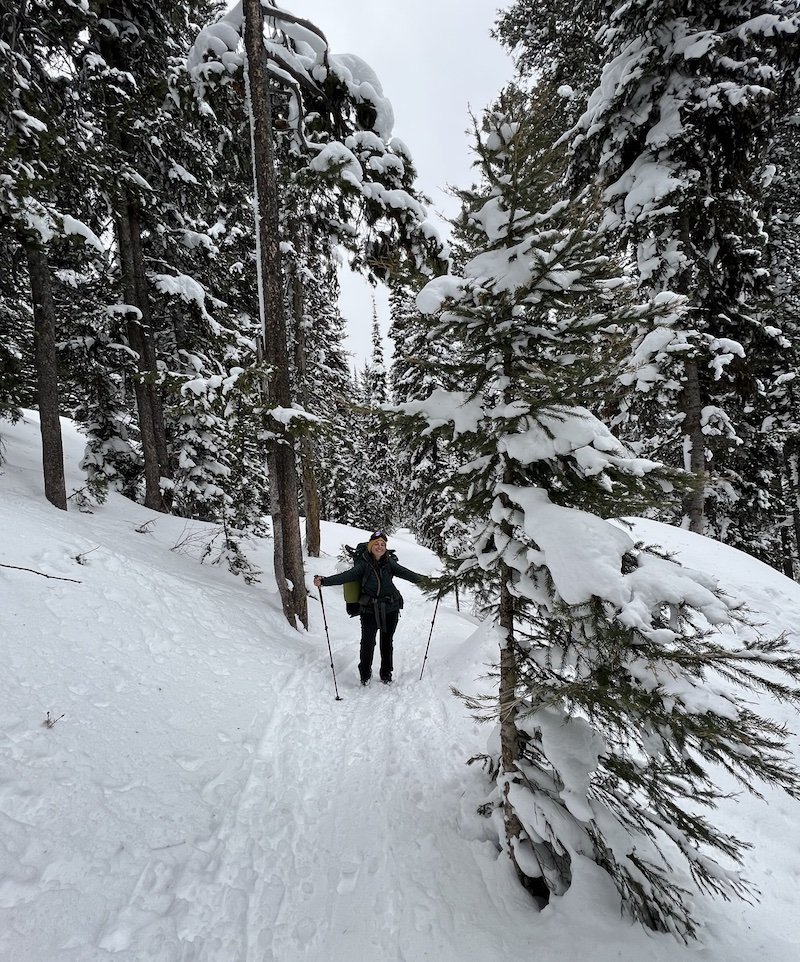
[(435, 60)]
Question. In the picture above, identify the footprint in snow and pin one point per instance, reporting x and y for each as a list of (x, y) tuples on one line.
[(348, 877)]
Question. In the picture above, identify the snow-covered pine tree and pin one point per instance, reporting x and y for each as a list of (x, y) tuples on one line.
[(616, 705), (378, 475), (302, 324), (771, 516), (168, 179), (361, 468), (555, 43), (98, 384), (17, 378), (12, 346), (678, 134), (426, 499), (126, 60), (37, 121), (330, 395), (339, 123)]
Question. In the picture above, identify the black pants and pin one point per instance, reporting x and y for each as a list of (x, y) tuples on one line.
[(369, 630)]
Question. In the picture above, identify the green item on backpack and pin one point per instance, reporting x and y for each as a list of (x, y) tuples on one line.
[(352, 589), (352, 594)]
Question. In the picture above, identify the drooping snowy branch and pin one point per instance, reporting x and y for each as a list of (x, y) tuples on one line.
[(342, 124)]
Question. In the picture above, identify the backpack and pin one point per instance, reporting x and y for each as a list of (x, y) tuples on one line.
[(352, 589)]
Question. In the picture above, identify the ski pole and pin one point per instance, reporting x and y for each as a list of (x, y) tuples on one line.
[(325, 622), (436, 608)]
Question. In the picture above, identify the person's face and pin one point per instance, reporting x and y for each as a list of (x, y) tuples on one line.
[(378, 550)]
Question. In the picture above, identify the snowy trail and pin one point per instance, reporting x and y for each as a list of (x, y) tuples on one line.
[(325, 852), (203, 798), (238, 813)]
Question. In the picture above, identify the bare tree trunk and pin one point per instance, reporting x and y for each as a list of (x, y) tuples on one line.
[(140, 340), (44, 336), (307, 446), (695, 447), (791, 459), (284, 488), (127, 213), (310, 497), (148, 341)]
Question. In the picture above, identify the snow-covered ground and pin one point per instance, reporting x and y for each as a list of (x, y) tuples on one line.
[(202, 797)]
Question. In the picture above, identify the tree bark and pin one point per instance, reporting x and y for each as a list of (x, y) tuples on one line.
[(307, 447), (555, 870), (44, 336), (694, 447), (792, 468), (140, 340), (311, 499), (127, 217), (148, 341), (509, 736), (284, 488)]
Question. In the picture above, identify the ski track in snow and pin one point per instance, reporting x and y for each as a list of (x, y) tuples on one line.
[(316, 859), (322, 849)]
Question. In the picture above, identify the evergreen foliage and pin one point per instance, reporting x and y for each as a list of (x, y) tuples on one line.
[(678, 133), (615, 711), (378, 482), (427, 500), (556, 43)]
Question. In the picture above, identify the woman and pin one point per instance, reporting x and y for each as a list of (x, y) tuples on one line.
[(380, 601)]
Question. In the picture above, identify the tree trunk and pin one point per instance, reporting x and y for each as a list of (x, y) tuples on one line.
[(44, 336), (310, 497), (307, 446), (127, 216), (792, 467), (284, 488), (556, 874), (140, 340), (509, 736), (148, 342), (694, 448)]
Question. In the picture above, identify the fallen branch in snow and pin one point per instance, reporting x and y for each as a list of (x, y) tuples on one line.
[(34, 572), (50, 722), (79, 557)]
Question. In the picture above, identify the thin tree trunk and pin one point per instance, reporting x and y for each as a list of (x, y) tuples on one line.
[(44, 328), (556, 874), (694, 447), (307, 446), (148, 342), (284, 488), (310, 497), (138, 339), (790, 457), (149, 401), (509, 736)]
